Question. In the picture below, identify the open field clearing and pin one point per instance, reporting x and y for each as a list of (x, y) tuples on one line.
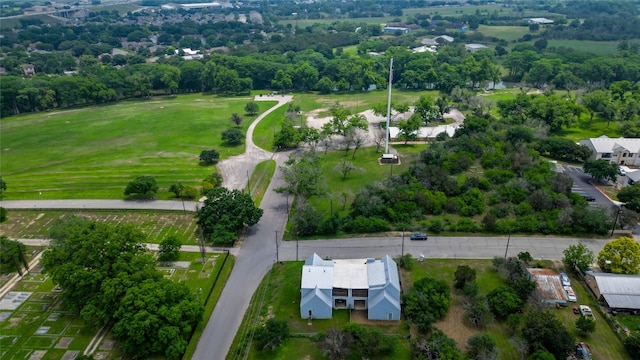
[(357, 102), (601, 48), (94, 152), (509, 33), (32, 224)]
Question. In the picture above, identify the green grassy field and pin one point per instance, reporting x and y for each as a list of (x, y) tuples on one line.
[(263, 134), (601, 48), (359, 101), (260, 180), (508, 33), (368, 171), (94, 152)]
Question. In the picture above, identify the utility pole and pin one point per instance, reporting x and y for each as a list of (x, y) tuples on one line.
[(287, 207), (386, 148), (507, 249), (297, 241), (277, 257)]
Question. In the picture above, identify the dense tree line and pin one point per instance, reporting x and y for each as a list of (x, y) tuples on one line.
[(108, 276)]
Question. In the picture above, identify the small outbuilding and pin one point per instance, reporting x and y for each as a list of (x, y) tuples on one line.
[(549, 288)]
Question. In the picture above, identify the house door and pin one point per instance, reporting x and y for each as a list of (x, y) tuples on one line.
[(389, 316), (310, 314)]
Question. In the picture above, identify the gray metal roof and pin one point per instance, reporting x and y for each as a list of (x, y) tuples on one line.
[(622, 301), (618, 283)]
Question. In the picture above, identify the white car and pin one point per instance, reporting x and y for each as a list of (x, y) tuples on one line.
[(571, 295), (622, 171), (586, 312), (564, 278)]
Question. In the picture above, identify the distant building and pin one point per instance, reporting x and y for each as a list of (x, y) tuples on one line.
[(549, 288), (396, 29), (618, 292), (540, 21), (358, 284), (28, 70), (475, 47), (619, 151)]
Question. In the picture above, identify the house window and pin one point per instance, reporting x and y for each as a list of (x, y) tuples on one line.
[(360, 304), (606, 155), (360, 292), (389, 316), (340, 292), (340, 304), (624, 154)]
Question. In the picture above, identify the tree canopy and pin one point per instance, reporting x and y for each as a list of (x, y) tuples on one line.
[(620, 256), (142, 187), (426, 301), (225, 212), (630, 195), (578, 256), (108, 276)]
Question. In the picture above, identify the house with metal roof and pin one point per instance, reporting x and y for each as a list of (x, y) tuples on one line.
[(358, 284), (549, 288), (621, 151), (618, 291)]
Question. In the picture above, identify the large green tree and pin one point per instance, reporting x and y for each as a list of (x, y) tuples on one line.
[(601, 169), (157, 316), (225, 212), (620, 256), (630, 195), (578, 257), (96, 264), (426, 301), (543, 330), (504, 301), (12, 255), (142, 187)]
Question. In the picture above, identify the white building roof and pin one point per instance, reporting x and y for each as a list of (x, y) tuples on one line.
[(605, 144), (350, 274), (475, 46), (540, 21), (317, 276)]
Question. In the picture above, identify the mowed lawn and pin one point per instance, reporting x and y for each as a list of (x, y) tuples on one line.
[(94, 152)]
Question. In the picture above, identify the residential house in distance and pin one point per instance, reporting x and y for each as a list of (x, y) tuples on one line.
[(395, 29), (619, 292), (619, 151), (358, 284), (28, 70), (475, 47), (549, 288), (540, 21)]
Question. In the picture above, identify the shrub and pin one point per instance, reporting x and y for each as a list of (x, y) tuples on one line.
[(466, 225), (3, 214), (362, 224), (503, 301), (272, 334), (436, 226)]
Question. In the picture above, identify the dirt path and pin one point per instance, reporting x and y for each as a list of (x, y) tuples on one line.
[(237, 169)]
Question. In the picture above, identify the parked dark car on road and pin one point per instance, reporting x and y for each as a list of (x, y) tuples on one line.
[(419, 236)]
